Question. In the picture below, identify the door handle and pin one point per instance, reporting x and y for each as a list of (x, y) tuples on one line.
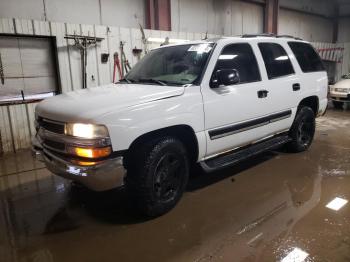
[(262, 93), (296, 87)]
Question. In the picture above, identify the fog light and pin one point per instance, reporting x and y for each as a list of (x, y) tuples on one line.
[(91, 152), (84, 163)]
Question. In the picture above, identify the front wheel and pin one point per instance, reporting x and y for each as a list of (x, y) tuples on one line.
[(157, 175), (302, 131)]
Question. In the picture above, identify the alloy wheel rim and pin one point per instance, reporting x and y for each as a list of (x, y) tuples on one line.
[(305, 132), (168, 180)]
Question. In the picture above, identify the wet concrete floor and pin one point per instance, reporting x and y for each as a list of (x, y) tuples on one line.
[(265, 209)]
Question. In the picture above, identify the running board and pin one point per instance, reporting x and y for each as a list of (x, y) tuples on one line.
[(238, 155)]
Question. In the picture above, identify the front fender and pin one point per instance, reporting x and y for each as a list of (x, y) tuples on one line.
[(127, 125)]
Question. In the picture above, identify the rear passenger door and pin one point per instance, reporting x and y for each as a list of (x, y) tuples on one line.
[(283, 86)]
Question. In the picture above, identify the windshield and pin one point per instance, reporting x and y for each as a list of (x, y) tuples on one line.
[(173, 65)]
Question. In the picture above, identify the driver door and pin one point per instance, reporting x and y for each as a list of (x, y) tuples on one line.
[(235, 115)]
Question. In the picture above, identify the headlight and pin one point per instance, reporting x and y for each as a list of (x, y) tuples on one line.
[(86, 130)]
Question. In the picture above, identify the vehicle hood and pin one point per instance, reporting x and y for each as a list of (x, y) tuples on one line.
[(345, 83), (87, 104)]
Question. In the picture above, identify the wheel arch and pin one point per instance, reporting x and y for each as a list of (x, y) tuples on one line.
[(310, 101), (184, 133)]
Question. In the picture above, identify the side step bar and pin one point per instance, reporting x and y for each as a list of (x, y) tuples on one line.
[(240, 154)]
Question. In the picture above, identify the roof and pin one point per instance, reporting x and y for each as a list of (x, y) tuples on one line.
[(245, 37)]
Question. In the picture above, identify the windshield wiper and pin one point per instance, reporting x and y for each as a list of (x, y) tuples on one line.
[(152, 80), (125, 80)]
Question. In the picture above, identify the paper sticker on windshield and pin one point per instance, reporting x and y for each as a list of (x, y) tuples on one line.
[(202, 48)]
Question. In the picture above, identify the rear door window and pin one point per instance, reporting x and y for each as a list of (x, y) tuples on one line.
[(307, 57), (276, 60), (240, 57)]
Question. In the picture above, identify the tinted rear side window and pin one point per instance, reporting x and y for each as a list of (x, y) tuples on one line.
[(276, 60), (307, 57), (240, 57)]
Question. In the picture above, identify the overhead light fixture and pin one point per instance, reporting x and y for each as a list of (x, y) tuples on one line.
[(296, 255), (337, 203)]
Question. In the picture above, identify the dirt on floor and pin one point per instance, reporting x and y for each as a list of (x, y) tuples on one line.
[(268, 208)]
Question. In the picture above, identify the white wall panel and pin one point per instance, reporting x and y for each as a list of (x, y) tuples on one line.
[(344, 67), (344, 30), (74, 57), (29, 9), (103, 69), (6, 26), (92, 78), (307, 27), (252, 19), (321, 7), (122, 12), (59, 31), (108, 12), (73, 11), (225, 17)]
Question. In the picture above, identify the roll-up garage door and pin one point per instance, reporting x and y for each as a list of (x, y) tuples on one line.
[(27, 69)]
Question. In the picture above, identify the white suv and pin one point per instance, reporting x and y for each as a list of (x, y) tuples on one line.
[(212, 102)]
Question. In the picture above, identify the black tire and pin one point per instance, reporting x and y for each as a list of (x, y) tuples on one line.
[(154, 187), (338, 104), (302, 131)]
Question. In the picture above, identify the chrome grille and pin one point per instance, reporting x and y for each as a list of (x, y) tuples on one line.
[(52, 126), (54, 145)]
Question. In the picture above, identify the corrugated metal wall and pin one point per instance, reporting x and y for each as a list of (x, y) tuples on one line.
[(17, 121), (220, 17), (309, 27)]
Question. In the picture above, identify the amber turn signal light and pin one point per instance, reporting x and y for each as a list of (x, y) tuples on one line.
[(91, 152)]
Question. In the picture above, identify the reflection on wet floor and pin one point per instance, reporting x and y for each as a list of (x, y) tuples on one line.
[(275, 207)]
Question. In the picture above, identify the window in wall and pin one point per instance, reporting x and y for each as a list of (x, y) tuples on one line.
[(240, 57), (28, 69), (276, 60), (307, 57)]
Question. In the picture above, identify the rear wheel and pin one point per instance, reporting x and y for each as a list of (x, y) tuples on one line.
[(303, 130), (338, 104), (157, 175)]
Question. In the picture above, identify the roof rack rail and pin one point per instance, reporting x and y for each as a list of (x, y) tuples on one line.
[(289, 36), (256, 35), (269, 35)]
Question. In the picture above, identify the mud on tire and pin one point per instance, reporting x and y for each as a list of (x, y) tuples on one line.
[(157, 175)]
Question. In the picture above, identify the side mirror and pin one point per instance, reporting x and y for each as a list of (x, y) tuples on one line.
[(225, 77)]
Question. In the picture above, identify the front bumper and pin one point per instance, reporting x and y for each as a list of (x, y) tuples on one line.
[(344, 97), (103, 176)]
